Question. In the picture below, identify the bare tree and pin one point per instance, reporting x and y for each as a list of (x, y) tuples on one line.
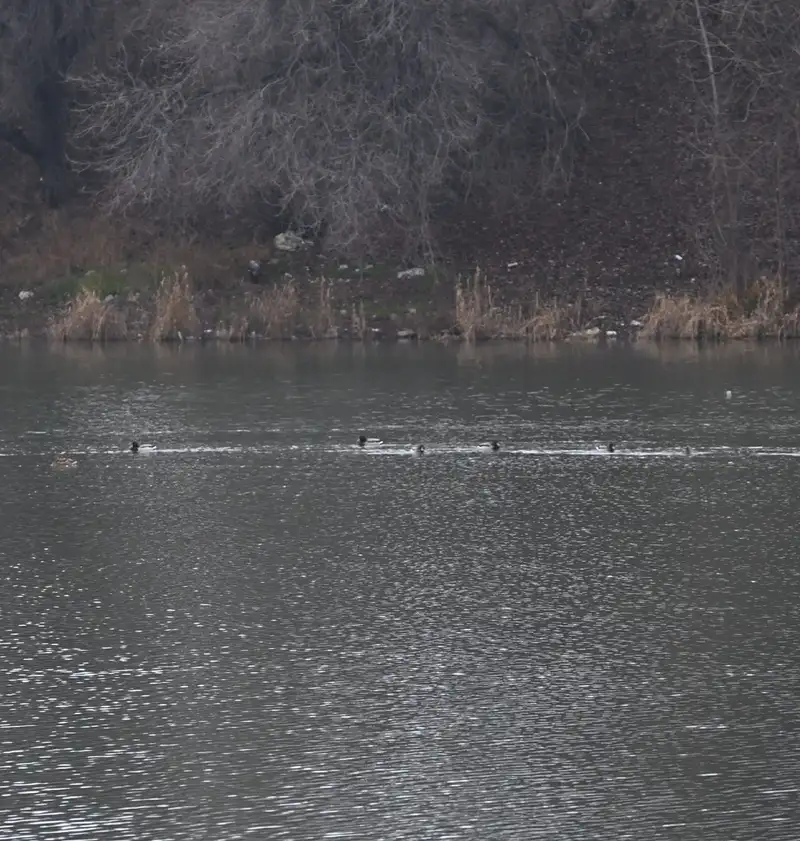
[(746, 65), (357, 117), (39, 43)]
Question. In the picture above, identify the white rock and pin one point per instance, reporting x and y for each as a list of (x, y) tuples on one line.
[(636, 323), (417, 272), (592, 331), (611, 334), (679, 257), (289, 241), (25, 295), (512, 264), (728, 394)]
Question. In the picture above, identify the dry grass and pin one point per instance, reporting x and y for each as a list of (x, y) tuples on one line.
[(282, 312), (358, 321), (272, 314), (88, 318), (57, 243), (478, 316), (175, 315), (320, 314), (764, 311)]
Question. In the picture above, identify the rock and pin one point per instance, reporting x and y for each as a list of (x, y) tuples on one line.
[(376, 333), (636, 323), (332, 333), (290, 241), (513, 264), (254, 269), (416, 272), (591, 332), (109, 298), (611, 334), (406, 334), (25, 295)]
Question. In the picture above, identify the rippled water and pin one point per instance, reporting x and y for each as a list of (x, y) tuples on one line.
[(262, 631)]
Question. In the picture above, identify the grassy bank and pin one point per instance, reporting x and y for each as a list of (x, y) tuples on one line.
[(766, 310), (105, 306)]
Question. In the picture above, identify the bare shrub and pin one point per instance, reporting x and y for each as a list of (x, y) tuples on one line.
[(175, 315), (478, 316), (271, 314), (353, 118), (88, 318), (358, 321), (763, 311), (320, 315), (744, 61)]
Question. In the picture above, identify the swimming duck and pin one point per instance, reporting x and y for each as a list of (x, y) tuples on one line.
[(490, 445), (62, 462), (419, 449), (611, 448), (136, 447), (363, 441)]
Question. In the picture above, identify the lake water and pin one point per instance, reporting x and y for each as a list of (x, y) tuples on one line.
[(262, 631)]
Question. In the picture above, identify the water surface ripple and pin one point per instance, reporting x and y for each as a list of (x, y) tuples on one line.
[(262, 631)]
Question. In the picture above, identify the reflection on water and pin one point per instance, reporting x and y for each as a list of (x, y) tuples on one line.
[(262, 631)]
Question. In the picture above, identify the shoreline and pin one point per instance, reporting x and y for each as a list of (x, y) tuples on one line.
[(426, 309)]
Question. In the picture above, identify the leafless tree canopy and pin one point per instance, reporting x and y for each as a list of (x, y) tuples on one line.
[(363, 118), (354, 116)]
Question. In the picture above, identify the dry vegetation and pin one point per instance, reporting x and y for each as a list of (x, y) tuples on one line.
[(281, 312), (290, 310), (368, 132), (765, 310), (88, 318), (479, 316), (175, 315)]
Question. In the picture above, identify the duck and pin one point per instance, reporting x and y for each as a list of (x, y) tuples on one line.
[(611, 447), (490, 445), (688, 451), (419, 449), (136, 447), (63, 462), (363, 441)]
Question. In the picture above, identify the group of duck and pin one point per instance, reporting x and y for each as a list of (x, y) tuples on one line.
[(64, 462), (363, 441)]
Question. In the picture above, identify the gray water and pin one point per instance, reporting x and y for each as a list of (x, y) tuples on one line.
[(262, 631)]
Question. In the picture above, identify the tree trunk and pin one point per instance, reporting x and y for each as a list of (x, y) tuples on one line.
[(51, 104)]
